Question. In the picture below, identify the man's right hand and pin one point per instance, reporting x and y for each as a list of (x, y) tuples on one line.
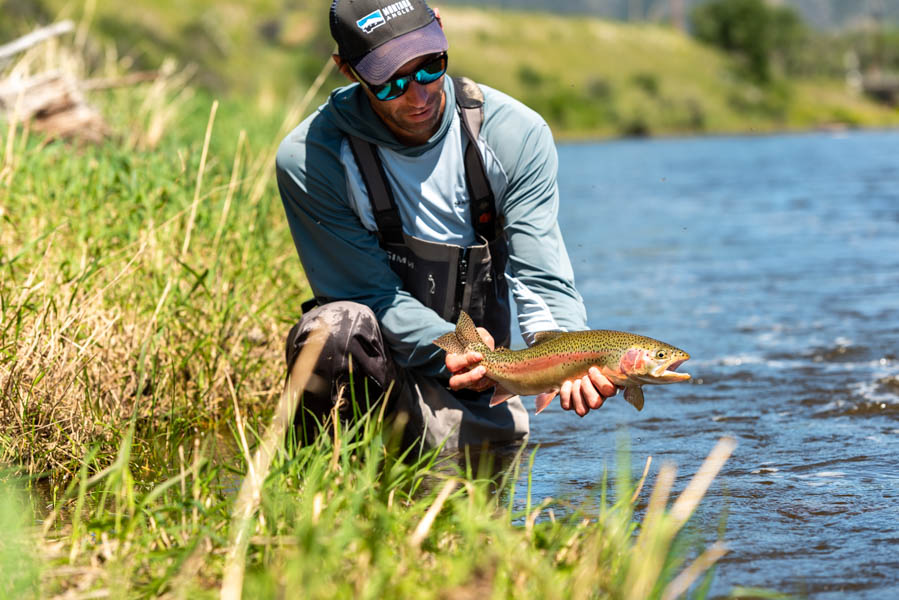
[(587, 393), (468, 373)]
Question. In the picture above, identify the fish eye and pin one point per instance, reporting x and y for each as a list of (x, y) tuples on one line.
[(660, 354)]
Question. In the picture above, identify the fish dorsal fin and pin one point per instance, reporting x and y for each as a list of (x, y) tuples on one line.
[(545, 336), (634, 395), (466, 331)]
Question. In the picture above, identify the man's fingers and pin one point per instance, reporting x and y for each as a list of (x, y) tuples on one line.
[(467, 378), (565, 395), (601, 383), (577, 399), (458, 362), (591, 396)]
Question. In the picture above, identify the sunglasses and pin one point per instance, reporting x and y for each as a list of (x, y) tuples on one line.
[(396, 87)]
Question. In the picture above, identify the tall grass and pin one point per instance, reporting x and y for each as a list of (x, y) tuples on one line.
[(145, 281), (354, 516), (145, 289)]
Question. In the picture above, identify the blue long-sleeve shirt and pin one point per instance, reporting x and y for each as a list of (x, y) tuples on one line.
[(333, 228)]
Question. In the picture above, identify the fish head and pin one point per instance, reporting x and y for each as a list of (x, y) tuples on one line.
[(653, 362)]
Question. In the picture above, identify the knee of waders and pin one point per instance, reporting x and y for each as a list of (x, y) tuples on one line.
[(353, 334)]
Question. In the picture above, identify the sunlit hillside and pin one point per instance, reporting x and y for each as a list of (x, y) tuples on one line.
[(588, 77)]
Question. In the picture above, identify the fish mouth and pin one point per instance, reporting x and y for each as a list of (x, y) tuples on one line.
[(668, 373)]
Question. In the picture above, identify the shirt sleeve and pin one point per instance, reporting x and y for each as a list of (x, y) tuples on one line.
[(542, 279), (342, 260)]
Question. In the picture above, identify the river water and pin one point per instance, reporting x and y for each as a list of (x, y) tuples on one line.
[(774, 261)]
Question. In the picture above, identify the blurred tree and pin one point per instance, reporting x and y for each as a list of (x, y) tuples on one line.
[(751, 29)]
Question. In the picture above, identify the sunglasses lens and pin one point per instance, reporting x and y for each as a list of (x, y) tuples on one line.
[(432, 71), (395, 88), (392, 89)]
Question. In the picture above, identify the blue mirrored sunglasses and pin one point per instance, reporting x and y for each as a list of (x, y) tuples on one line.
[(396, 87)]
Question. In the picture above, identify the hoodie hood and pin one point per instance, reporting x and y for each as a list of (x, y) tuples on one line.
[(350, 110)]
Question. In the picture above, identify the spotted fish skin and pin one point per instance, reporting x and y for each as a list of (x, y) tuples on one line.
[(628, 360)]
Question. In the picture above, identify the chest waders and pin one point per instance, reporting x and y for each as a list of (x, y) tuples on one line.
[(445, 277)]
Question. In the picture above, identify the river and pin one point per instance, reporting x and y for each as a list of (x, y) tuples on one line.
[(774, 261)]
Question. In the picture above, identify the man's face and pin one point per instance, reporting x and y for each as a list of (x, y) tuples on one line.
[(415, 116)]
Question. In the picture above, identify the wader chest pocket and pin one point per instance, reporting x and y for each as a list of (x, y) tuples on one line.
[(448, 279)]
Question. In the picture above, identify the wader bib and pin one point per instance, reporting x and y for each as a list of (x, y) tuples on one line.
[(445, 277)]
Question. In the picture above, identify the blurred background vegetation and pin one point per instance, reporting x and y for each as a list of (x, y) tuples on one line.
[(615, 67)]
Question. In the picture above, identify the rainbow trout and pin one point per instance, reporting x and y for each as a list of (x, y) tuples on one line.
[(626, 359)]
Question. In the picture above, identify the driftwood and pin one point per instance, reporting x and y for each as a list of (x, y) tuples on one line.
[(34, 38), (53, 101), (54, 104)]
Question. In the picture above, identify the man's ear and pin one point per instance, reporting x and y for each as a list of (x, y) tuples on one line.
[(343, 67), (437, 16)]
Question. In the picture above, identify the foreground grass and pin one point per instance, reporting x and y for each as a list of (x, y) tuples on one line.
[(351, 516), (145, 291)]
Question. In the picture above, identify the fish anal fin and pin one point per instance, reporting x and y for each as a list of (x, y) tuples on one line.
[(500, 395), (634, 395), (545, 399), (545, 336), (450, 343)]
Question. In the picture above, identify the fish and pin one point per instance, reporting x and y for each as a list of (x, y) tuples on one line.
[(628, 360)]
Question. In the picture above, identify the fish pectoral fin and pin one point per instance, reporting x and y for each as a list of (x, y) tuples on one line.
[(634, 395), (545, 399), (500, 395)]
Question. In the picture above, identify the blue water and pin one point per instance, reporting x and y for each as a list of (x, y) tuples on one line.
[(774, 261)]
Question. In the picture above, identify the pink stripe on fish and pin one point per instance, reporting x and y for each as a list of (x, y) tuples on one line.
[(550, 361)]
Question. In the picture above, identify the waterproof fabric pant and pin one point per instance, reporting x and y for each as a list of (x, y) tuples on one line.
[(435, 413)]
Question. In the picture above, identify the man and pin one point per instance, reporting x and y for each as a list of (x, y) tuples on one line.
[(412, 196)]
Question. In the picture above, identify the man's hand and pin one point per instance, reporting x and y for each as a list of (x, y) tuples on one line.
[(587, 393), (467, 370)]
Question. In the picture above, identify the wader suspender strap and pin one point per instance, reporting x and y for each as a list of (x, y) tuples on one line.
[(482, 204), (387, 217)]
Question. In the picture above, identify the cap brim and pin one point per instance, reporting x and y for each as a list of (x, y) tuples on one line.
[(380, 64)]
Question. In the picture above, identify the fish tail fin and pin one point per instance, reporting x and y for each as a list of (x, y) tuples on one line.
[(450, 342), (466, 331)]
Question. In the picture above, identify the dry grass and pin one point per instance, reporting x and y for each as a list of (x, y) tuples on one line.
[(130, 290)]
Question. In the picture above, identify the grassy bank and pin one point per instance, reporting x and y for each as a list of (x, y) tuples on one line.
[(147, 285)]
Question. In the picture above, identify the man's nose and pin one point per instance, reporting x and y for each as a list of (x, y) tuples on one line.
[(417, 94)]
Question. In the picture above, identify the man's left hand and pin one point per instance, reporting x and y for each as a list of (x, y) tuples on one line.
[(468, 373)]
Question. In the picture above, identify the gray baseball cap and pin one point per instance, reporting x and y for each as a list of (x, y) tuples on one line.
[(377, 37)]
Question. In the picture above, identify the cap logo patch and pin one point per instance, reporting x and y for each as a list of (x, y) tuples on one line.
[(373, 20)]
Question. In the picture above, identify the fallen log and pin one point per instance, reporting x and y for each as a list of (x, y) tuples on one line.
[(34, 38), (55, 105)]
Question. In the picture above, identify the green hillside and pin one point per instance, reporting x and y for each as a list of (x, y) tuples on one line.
[(590, 77), (586, 76)]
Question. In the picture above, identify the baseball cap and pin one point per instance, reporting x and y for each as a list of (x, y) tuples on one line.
[(378, 37)]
